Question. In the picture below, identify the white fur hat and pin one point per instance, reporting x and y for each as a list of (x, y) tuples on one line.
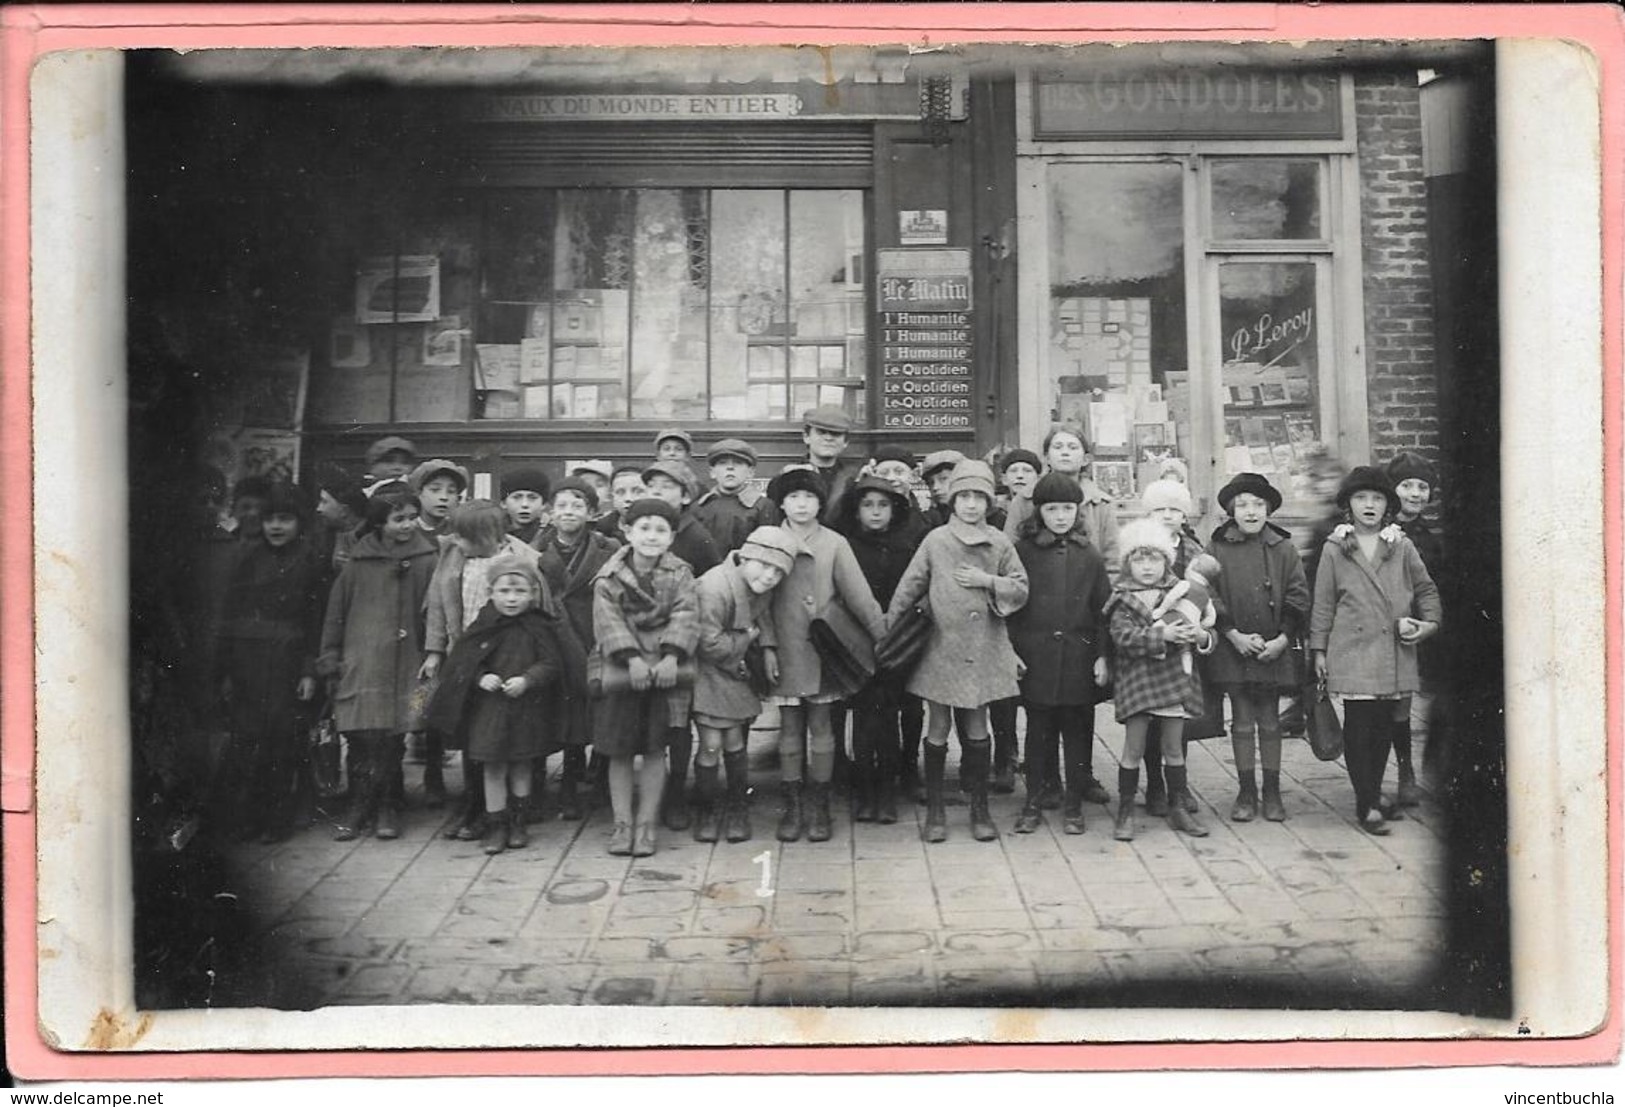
[(1144, 534), (1166, 493)]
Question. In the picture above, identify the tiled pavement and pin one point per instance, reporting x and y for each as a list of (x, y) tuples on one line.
[(1306, 912)]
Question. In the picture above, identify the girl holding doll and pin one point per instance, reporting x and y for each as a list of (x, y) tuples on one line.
[(1155, 683), (975, 581), (1375, 602)]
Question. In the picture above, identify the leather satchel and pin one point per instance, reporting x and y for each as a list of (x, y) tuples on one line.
[(845, 650), (1325, 728), (901, 647)]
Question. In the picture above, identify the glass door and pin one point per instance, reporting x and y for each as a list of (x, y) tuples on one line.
[(1268, 346)]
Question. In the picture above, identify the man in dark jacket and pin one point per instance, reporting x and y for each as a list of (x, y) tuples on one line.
[(826, 432)]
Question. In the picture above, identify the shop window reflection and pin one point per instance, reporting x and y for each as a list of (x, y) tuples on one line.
[(1266, 198)]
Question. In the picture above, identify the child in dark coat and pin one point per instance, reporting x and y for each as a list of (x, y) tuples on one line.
[(876, 522), (525, 496), (572, 553), (1414, 482), (733, 507), (1059, 636), (1152, 688), (1262, 599), (266, 650), (514, 689)]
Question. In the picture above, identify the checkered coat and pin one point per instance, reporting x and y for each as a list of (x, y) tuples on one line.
[(1146, 669), (628, 619)]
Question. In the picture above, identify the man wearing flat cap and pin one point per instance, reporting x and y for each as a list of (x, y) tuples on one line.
[(826, 431)]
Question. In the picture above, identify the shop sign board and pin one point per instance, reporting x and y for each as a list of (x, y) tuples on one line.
[(1203, 103), (759, 101), (927, 338)]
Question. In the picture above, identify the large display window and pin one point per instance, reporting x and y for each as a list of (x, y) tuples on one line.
[(684, 304)]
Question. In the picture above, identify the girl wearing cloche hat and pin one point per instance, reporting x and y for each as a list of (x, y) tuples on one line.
[(1263, 602), (1374, 603), (975, 582)]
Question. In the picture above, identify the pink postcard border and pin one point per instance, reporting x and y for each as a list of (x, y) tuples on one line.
[(27, 32)]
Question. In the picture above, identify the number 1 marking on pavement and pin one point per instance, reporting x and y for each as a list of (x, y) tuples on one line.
[(765, 859)]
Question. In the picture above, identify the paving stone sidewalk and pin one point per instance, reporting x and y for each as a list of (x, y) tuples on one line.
[(1266, 914)]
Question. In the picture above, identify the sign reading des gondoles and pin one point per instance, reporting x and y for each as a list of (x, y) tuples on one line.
[(1202, 103), (924, 298)]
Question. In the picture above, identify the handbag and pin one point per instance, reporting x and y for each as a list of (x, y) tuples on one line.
[(903, 644), (845, 650), (756, 671), (1324, 727)]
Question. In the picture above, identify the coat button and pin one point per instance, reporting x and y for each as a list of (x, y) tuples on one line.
[(1057, 634), (401, 634)]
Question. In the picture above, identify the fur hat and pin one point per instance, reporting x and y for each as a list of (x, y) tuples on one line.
[(580, 488), (797, 480), (1253, 483), (774, 546), (435, 467), (1024, 456), (1408, 465), (526, 480), (286, 498), (510, 564), (676, 470), (1367, 478), (941, 459), (1166, 493), (732, 447), (829, 417), (1056, 488), (389, 444), (972, 476), (649, 505), (890, 452), (1173, 468), (1144, 534)]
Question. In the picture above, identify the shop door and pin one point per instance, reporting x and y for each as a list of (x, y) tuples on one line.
[(1267, 369)]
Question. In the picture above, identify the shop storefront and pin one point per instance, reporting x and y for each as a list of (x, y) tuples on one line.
[(1225, 262)]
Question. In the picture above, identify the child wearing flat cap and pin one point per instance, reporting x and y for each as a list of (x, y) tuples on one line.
[(733, 507)]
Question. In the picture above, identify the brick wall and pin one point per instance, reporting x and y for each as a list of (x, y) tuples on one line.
[(1401, 387)]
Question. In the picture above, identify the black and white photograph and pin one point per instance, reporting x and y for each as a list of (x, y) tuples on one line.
[(848, 528)]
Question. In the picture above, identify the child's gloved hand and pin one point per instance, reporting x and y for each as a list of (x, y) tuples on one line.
[(638, 670), (491, 682), (514, 687), (665, 672)]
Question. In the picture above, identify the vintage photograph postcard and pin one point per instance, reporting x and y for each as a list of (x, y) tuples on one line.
[(545, 538)]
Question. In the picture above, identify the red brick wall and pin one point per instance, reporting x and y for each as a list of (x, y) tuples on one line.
[(1401, 386)]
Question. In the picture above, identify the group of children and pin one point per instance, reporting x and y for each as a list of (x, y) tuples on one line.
[(625, 609)]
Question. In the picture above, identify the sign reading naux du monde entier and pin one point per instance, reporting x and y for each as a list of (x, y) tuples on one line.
[(924, 299)]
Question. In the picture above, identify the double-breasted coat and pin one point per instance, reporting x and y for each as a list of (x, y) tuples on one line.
[(372, 639), (1357, 607), (968, 660), (825, 572), (1261, 590), (731, 516), (649, 616), (1059, 632), (1148, 673), (729, 611)]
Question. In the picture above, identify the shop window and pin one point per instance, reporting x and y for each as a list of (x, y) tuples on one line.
[(672, 304), (1117, 288), (1265, 198), (1271, 325)]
